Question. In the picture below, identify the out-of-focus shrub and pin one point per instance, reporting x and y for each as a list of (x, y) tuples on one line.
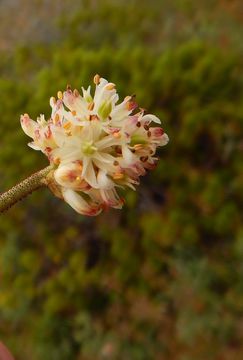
[(160, 279)]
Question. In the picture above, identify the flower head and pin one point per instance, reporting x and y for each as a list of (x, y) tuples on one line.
[(95, 145)]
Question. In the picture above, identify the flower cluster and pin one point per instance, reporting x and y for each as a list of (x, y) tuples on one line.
[(95, 145)]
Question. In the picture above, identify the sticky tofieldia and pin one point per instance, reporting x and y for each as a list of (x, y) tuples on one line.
[(95, 145)]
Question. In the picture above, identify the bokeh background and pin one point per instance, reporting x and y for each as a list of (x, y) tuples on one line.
[(161, 279)]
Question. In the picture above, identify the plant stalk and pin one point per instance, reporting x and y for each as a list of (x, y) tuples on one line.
[(23, 189)]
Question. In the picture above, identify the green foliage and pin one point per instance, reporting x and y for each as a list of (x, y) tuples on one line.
[(161, 279)]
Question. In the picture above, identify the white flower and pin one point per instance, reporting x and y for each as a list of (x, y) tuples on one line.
[(95, 145)]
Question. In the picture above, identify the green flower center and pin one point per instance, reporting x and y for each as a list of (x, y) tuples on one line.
[(88, 148)]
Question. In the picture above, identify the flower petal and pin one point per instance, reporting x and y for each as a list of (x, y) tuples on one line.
[(28, 125), (77, 202), (149, 118), (103, 181)]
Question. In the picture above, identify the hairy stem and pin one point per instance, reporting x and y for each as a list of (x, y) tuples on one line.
[(24, 188)]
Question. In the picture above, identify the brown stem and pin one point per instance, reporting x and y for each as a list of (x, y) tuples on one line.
[(24, 188)]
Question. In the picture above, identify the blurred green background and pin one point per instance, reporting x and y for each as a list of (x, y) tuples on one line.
[(162, 278)]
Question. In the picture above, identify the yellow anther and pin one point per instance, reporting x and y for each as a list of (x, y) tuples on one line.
[(65, 177), (79, 165), (117, 135), (138, 147), (91, 106), (93, 117), (74, 113), (78, 178), (118, 176), (130, 105), (56, 118), (76, 93), (67, 125), (60, 95), (144, 158), (110, 86), (57, 161), (97, 79)]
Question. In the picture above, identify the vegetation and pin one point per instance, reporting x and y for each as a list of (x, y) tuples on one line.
[(161, 279)]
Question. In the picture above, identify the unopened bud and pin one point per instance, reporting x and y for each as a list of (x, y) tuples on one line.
[(104, 110), (53, 100), (97, 79)]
